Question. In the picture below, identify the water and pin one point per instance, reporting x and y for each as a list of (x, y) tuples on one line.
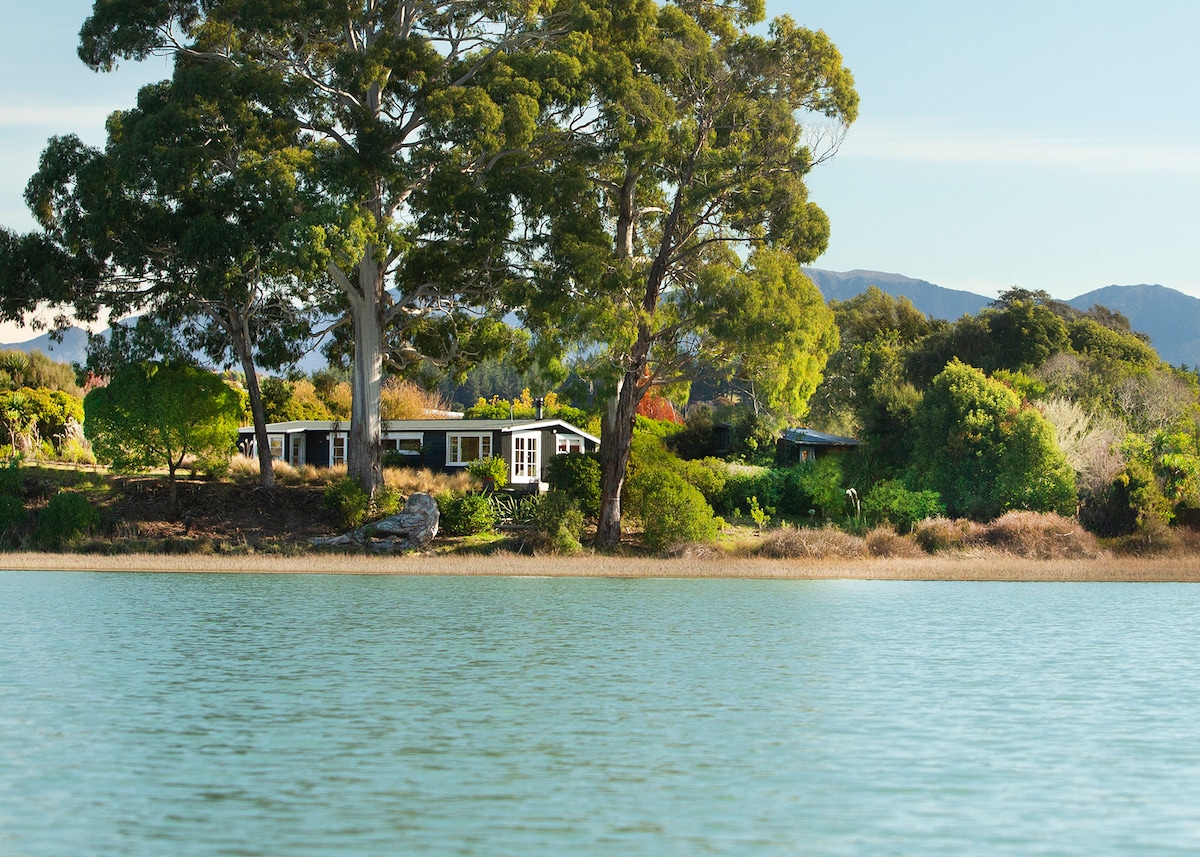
[(247, 715)]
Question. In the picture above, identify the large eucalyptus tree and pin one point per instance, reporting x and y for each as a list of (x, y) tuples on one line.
[(410, 107), (182, 218), (673, 223)]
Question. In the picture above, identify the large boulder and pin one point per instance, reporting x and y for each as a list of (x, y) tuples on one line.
[(412, 528)]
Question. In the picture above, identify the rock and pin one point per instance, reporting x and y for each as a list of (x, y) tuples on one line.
[(412, 528)]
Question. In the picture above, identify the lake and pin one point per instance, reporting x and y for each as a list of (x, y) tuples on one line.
[(310, 715)]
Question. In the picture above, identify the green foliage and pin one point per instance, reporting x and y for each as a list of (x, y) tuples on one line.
[(156, 415), (465, 514), (812, 486), (893, 502), (983, 453), (347, 499), (753, 437), (13, 517), (763, 484), (674, 512), (67, 516), (492, 467), (760, 516), (560, 519), (577, 475), (37, 371)]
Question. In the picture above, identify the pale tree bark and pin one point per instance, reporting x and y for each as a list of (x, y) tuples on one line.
[(364, 450)]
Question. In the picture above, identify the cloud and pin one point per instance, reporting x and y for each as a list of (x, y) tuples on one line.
[(1110, 155)]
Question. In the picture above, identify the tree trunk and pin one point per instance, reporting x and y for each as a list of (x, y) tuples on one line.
[(616, 437), (241, 346), (364, 450)]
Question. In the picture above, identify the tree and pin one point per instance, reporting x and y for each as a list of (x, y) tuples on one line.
[(685, 144), (411, 110), (183, 219), (983, 452), (160, 415)]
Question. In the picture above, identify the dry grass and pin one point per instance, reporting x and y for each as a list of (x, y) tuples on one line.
[(404, 480), (994, 567), (407, 481), (1040, 535), (887, 543), (811, 543), (936, 535)]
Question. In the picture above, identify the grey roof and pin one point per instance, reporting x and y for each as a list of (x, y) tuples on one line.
[(458, 425), (808, 437)]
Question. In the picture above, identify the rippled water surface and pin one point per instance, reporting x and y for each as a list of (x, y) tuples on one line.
[(247, 715)]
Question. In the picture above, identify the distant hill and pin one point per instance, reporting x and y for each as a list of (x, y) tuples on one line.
[(1169, 317), (934, 301), (72, 349)]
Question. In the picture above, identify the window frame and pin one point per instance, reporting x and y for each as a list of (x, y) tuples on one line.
[(454, 451)]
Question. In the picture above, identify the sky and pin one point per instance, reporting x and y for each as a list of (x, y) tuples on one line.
[(1049, 145)]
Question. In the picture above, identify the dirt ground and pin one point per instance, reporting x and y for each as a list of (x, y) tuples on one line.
[(221, 512)]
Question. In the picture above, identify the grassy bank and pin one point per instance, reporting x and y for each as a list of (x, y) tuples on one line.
[(980, 567)]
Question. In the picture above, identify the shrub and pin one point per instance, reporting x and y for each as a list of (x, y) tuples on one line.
[(559, 518), (812, 543), (577, 475), (886, 542), (465, 513), (67, 516), (891, 501), (708, 475), (672, 511), (1040, 536), (1154, 537), (812, 485), (346, 499), (493, 468), (12, 478), (13, 516), (744, 482), (939, 534)]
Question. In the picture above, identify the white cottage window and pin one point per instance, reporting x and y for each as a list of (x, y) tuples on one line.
[(463, 448)]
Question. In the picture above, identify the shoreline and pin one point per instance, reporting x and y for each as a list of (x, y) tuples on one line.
[(990, 567)]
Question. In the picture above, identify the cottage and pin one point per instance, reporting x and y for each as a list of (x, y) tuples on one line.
[(439, 444), (802, 444)]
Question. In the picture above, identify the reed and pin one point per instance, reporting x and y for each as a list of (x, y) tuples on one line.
[(981, 566)]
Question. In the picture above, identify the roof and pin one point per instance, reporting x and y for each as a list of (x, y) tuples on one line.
[(808, 437), (457, 425)]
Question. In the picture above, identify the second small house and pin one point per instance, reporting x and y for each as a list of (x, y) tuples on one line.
[(438, 444)]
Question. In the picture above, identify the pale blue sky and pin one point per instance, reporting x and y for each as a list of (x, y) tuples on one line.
[(1052, 145)]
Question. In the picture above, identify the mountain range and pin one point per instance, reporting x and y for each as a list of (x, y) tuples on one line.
[(1170, 318)]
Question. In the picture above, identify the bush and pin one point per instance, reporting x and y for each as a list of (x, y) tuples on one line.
[(939, 534), (812, 486), (1040, 536), (672, 511), (346, 499), (560, 520), (493, 468), (744, 482), (465, 514), (1154, 537), (892, 502), (67, 516), (13, 517), (812, 543), (886, 542), (577, 475), (707, 475)]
